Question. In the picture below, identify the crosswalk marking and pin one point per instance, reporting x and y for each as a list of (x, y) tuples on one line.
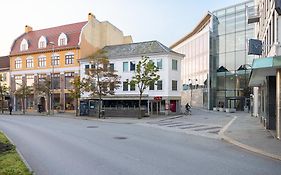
[(201, 129)]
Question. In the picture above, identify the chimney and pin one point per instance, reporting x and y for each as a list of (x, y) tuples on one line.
[(28, 29), (91, 16)]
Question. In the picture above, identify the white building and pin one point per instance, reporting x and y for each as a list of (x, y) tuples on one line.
[(266, 70), (124, 59)]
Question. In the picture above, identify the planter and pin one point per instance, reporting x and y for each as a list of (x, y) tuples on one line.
[(221, 109), (215, 109), (230, 110)]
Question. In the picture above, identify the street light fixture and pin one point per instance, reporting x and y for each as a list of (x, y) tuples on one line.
[(52, 76)]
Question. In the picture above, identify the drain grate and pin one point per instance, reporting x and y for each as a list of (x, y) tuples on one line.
[(120, 138), (92, 126)]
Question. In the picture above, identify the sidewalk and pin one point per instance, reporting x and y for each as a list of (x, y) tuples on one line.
[(247, 132)]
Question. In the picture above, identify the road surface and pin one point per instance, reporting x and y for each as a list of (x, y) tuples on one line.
[(64, 146)]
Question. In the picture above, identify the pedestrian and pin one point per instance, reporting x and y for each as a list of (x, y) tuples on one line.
[(10, 108)]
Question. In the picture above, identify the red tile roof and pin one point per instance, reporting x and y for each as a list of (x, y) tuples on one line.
[(4, 63), (52, 34)]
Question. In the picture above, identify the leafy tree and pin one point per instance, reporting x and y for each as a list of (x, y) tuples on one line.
[(102, 80), (4, 90), (146, 74), (43, 86), (78, 89), (22, 92)]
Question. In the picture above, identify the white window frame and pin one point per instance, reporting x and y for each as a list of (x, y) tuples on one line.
[(18, 63), (24, 45), (42, 43), (29, 64), (42, 61), (62, 40)]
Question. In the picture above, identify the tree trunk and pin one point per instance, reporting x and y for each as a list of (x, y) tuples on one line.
[(99, 105), (2, 104), (76, 106), (23, 110), (139, 117)]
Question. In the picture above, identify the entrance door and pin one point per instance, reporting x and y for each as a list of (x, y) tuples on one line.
[(43, 103)]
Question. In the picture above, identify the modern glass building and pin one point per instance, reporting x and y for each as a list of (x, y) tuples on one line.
[(230, 62)]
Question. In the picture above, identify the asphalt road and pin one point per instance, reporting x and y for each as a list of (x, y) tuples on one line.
[(63, 146)]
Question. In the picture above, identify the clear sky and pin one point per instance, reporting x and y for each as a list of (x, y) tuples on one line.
[(162, 20)]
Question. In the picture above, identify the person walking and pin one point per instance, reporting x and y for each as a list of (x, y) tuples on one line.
[(10, 108)]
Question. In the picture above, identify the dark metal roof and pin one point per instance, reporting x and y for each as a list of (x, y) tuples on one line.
[(4, 63), (137, 49)]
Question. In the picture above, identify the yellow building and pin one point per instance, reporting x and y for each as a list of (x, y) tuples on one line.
[(31, 57)]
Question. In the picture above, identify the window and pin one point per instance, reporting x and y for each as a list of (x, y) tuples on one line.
[(42, 43), (174, 64), (18, 77), (151, 86), (56, 81), (29, 63), (18, 63), (69, 76), (159, 63), (69, 59), (174, 85), (55, 60), (132, 66), (159, 85), (62, 40), (42, 62), (24, 45), (125, 67), (87, 67), (111, 67), (125, 86), (29, 76), (132, 86)]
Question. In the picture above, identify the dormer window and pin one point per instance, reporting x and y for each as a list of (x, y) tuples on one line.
[(62, 41), (42, 43), (24, 45)]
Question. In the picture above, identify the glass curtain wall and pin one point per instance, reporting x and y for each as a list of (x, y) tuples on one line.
[(232, 65)]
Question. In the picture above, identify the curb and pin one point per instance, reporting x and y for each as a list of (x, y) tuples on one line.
[(242, 145), (20, 154)]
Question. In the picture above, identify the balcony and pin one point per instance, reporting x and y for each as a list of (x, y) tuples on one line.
[(253, 14)]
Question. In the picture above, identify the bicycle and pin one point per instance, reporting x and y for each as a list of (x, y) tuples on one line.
[(187, 112)]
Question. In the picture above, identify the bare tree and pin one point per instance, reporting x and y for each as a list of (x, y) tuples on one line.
[(4, 90), (78, 89), (23, 92), (43, 86), (102, 80)]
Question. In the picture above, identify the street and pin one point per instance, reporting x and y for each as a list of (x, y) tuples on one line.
[(65, 146)]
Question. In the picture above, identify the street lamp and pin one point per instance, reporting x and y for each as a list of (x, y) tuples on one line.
[(190, 87), (52, 76)]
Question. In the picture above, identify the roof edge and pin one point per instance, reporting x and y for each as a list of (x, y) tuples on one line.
[(195, 30)]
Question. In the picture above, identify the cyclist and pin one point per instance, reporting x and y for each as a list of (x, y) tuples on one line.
[(187, 109)]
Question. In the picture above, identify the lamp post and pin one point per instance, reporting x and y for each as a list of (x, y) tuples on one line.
[(52, 76), (190, 87)]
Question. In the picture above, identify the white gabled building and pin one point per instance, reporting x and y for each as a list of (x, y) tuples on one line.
[(124, 59)]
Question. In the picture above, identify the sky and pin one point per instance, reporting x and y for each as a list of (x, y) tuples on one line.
[(164, 20)]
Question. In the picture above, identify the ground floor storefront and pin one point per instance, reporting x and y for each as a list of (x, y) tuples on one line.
[(266, 78), (42, 103), (149, 106)]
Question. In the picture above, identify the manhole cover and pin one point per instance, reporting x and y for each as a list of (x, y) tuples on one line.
[(120, 138), (92, 126), (206, 118), (270, 137)]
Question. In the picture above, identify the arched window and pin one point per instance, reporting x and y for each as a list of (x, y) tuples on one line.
[(42, 43), (24, 45), (62, 41)]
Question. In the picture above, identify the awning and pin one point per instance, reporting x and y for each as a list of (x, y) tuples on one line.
[(263, 67)]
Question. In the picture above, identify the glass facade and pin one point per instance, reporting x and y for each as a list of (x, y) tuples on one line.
[(231, 66)]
